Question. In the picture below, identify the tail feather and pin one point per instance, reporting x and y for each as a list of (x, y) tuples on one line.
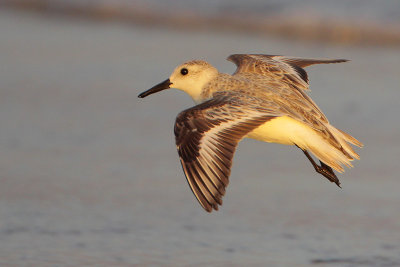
[(351, 139), (334, 156), (343, 139), (331, 157)]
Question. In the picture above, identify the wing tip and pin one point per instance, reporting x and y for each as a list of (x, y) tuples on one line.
[(322, 60), (210, 207), (233, 58), (340, 60)]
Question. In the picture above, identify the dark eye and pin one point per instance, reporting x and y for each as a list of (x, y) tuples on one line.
[(184, 71)]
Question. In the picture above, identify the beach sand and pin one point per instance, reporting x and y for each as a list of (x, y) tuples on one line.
[(90, 175)]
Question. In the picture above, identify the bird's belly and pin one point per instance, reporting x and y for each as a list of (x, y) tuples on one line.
[(282, 130)]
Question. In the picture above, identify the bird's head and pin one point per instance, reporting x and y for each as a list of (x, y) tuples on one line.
[(190, 77)]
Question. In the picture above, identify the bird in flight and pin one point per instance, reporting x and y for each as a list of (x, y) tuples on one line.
[(265, 99)]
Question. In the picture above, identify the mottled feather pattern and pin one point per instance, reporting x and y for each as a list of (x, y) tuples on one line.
[(291, 82), (206, 139), (265, 99), (273, 78), (271, 66)]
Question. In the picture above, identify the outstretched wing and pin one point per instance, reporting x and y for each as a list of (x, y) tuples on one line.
[(206, 139), (286, 69), (286, 79)]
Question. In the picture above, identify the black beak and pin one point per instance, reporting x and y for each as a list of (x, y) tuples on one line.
[(159, 87)]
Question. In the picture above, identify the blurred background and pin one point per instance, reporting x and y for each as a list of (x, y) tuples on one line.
[(89, 173)]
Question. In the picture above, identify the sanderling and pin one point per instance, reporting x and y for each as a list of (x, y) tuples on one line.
[(265, 99)]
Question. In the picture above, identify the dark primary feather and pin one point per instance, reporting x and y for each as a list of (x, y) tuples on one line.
[(206, 139), (292, 68), (305, 62)]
